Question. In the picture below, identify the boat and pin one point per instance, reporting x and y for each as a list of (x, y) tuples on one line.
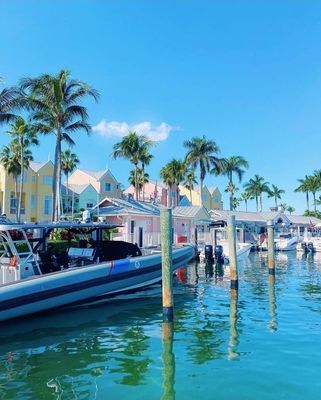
[(34, 280), (309, 244), (286, 242)]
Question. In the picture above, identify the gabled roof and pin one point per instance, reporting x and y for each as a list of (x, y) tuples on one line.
[(112, 206), (97, 174), (302, 220), (36, 166), (80, 188), (213, 189)]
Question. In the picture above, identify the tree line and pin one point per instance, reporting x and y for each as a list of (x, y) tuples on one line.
[(52, 105)]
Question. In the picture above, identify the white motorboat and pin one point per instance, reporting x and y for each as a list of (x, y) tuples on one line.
[(32, 281), (309, 244), (286, 242)]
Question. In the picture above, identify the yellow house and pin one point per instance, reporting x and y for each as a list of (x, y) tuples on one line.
[(37, 193), (212, 198), (103, 182)]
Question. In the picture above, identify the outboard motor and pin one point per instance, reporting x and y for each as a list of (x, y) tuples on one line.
[(304, 247), (310, 246), (208, 252), (218, 252)]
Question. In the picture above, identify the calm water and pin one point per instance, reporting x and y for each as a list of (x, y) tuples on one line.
[(265, 344)]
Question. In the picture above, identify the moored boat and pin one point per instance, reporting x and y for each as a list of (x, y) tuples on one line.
[(84, 273)]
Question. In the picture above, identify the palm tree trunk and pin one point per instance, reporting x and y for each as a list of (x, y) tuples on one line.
[(231, 201), (276, 203), (169, 197), (16, 195), (190, 194), (201, 191), (136, 188), (307, 198), (177, 195), (67, 177), (246, 205), (314, 202), (21, 181), (143, 169), (257, 203), (57, 179), (261, 202)]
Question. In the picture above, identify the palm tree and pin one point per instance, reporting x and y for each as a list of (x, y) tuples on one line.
[(10, 159), (236, 203), (256, 187), (69, 162), (234, 164), (290, 209), (23, 137), (172, 174), (245, 196), (201, 154), (189, 182), (304, 188), (10, 101), (142, 178), (54, 100), (231, 188), (130, 148), (145, 158), (276, 193)]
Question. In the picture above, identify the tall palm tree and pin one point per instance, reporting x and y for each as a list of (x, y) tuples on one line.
[(23, 136), (55, 103), (202, 154), (145, 158), (142, 178), (172, 174), (245, 196), (256, 187), (10, 159), (231, 189), (130, 148), (233, 165), (69, 162), (189, 182), (304, 188), (276, 193)]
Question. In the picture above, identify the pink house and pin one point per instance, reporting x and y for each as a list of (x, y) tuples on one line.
[(140, 221)]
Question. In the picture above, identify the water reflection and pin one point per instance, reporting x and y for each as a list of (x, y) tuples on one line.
[(168, 359)]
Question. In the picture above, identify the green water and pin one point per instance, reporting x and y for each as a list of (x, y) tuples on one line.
[(264, 345)]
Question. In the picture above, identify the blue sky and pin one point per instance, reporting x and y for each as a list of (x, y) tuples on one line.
[(247, 74)]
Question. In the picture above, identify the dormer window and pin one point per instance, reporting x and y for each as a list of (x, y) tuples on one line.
[(108, 187)]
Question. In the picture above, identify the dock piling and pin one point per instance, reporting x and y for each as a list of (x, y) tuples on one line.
[(271, 248), (167, 268), (232, 253)]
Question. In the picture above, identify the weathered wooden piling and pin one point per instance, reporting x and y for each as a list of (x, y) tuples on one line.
[(271, 248), (167, 268), (232, 253), (168, 359)]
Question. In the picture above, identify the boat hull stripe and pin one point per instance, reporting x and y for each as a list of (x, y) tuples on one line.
[(58, 291)]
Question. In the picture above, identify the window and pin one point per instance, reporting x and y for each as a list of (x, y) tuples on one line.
[(47, 180), (13, 203), (32, 202), (89, 205), (33, 179), (205, 197), (216, 200), (48, 205), (108, 187)]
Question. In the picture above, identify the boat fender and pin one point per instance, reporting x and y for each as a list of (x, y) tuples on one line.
[(13, 261)]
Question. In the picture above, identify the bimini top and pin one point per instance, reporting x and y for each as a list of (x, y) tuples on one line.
[(8, 226)]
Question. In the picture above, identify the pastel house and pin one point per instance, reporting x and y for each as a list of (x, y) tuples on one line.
[(139, 222)]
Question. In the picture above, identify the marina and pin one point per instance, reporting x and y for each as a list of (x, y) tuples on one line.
[(118, 346)]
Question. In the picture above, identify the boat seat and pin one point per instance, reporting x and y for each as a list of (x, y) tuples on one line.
[(81, 253)]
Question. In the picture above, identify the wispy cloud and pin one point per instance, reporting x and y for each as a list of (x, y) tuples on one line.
[(119, 129)]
